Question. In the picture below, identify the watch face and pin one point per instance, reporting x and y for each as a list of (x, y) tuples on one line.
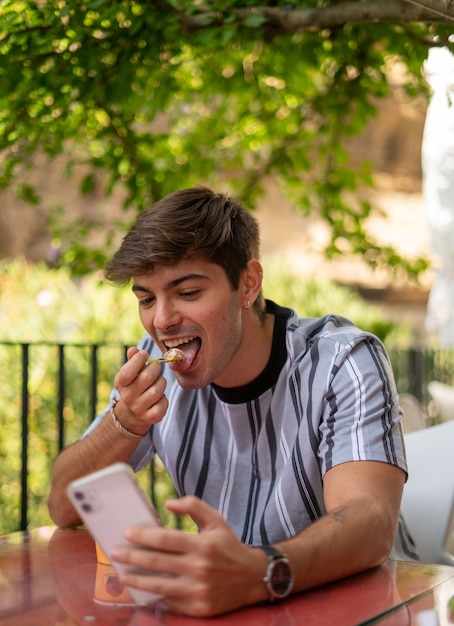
[(281, 578)]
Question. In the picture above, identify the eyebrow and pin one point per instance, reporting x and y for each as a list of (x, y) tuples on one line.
[(173, 283)]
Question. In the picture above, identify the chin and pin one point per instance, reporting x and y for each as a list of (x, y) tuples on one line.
[(188, 382)]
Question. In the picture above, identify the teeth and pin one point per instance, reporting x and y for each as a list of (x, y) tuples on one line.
[(177, 342)]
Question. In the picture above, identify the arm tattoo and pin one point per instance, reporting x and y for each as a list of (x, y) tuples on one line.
[(339, 514)]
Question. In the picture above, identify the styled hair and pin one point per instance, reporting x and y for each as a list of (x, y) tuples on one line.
[(190, 223)]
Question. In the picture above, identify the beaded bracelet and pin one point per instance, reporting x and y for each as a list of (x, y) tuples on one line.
[(119, 426)]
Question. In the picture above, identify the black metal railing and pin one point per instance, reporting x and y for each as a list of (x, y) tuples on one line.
[(57, 394), (16, 398), (92, 388)]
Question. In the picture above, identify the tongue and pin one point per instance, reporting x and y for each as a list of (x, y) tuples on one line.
[(190, 351)]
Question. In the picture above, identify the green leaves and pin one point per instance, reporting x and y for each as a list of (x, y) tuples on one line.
[(254, 20), (150, 103), (27, 193)]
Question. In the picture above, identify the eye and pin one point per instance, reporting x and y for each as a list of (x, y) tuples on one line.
[(189, 293), (146, 302)]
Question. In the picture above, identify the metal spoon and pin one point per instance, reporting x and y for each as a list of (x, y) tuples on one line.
[(165, 359)]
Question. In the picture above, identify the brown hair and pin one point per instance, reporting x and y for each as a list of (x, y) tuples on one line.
[(191, 223)]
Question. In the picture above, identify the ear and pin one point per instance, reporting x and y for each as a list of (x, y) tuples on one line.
[(251, 282)]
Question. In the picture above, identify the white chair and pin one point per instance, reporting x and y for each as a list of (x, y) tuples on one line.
[(428, 498), (443, 397), (413, 415)]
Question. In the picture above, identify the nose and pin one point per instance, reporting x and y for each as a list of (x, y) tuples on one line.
[(166, 315)]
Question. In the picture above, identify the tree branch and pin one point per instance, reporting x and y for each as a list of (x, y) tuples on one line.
[(291, 21), (439, 8)]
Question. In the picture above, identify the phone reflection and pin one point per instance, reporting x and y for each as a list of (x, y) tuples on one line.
[(108, 587)]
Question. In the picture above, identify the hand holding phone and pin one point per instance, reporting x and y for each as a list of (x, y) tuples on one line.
[(109, 501)]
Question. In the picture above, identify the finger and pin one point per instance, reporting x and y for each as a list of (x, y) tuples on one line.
[(132, 368), (155, 413), (160, 584), (159, 540), (146, 397), (180, 595), (202, 514), (131, 351)]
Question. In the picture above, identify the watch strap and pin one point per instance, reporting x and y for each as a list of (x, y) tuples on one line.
[(272, 552)]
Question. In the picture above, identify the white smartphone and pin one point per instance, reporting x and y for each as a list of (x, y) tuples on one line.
[(109, 501)]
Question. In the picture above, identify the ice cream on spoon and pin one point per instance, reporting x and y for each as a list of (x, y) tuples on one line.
[(173, 355)]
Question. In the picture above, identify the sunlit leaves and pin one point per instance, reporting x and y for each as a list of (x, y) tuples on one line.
[(124, 89)]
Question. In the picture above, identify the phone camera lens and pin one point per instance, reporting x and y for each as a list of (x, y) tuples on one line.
[(86, 506), (79, 495)]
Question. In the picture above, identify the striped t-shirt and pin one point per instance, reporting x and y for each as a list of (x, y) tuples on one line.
[(258, 453)]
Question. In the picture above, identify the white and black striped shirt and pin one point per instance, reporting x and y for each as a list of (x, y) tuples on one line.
[(258, 453)]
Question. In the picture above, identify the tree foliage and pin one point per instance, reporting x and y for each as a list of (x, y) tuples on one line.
[(154, 96)]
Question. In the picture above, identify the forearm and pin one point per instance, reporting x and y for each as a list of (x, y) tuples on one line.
[(348, 540), (105, 445)]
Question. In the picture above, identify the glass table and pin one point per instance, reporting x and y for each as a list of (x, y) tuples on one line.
[(52, 577)]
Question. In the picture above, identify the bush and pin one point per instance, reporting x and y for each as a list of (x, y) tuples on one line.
[(315, 297)]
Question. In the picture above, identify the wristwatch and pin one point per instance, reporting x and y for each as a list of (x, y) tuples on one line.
[(279, 576)]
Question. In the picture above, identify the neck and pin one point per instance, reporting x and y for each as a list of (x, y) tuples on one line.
[(253, 355)]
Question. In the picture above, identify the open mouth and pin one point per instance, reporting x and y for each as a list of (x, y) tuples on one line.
[(190, 347)]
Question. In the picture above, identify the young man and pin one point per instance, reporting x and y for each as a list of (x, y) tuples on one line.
[(282, 434)]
